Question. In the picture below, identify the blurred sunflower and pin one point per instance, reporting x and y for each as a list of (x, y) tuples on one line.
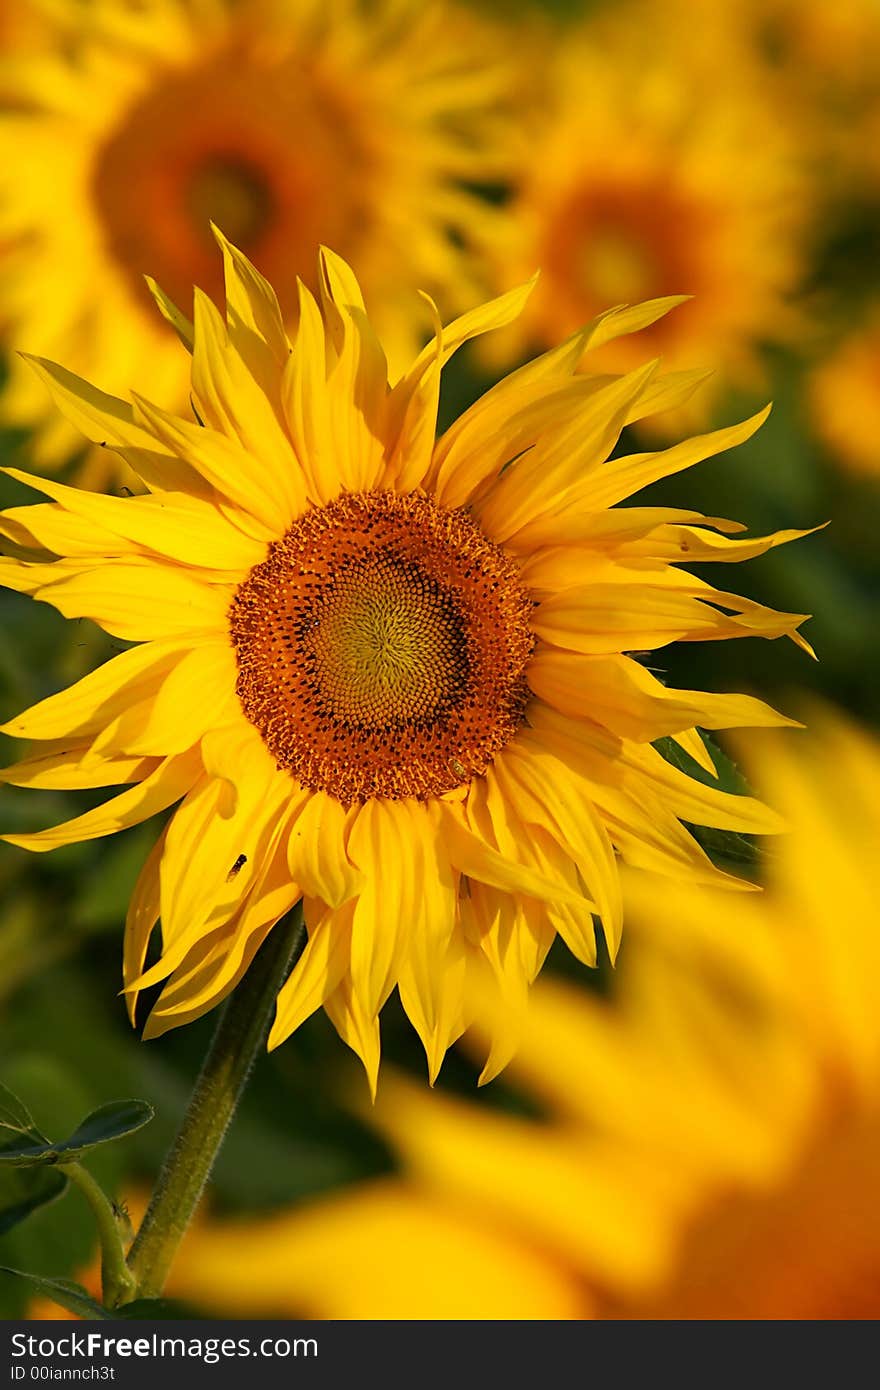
[(21, 26), (288, 122), (825, 63), (843, 395), (383, 675), (650, 166), (710, 1137)]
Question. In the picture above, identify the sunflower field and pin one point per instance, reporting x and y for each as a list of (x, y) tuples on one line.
[(439, 672)]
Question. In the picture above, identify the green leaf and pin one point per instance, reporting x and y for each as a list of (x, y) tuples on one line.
[(71, 1296), (24, 1190), (108, 1122), (16, 1122), (726, 848), (152, 1308)]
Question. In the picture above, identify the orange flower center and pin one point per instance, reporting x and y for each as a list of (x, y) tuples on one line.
[(619, 243), (382, 647), (269, 152)]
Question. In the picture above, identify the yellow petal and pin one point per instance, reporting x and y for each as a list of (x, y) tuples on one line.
[(100, 697), (317, 850), (171, 314), (424, 970), (547, 792), (501, 427), (212, 859), (65, 767), (167, 784), (110, 423), (388, 903), (356, 1027), (603, 618), (140, 920), (414, 445), (230, 401), (172, 525), (317, 973), (472, 855), (689, 740), (639, 768), (355, 389), (306, 403), (253, 315), (412, 405), (622, 477), (693, 545), (339, 284), (48, 531), (447, 989), (216, 963), (381, 1249), (197, 694), (146, 600), (541, 480), (245, 479), (621, 694), (630, 318)]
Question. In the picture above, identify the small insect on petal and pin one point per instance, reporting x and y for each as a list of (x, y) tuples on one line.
[(236, 868)]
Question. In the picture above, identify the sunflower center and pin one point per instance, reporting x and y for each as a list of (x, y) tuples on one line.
[(266, 150), (621, 242), (382, 647), (616, 266), (232, 194)]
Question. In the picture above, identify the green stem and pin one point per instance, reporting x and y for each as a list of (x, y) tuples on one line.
[(240, 1035), (117, 1282)]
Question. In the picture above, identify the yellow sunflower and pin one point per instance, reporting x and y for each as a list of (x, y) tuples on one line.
[(288, 122), (380, 674), (710, 1135), (727, 1106), (824, 63), (843, 395), (651, 165), (21, 27)]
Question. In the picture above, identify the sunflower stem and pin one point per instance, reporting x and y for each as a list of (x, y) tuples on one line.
[(117, 1282), (240, 1035)]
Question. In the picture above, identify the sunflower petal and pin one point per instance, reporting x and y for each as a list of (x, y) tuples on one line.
[(318, 972), (356, 1027), (621, 694), (170, 781), (317, 850)]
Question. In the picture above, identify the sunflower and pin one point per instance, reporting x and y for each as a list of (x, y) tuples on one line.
[(288, 122), (731, 1095), (649, 166), (22, 27), (843, 395), (824, 62), (709, 1136), (381, 675)]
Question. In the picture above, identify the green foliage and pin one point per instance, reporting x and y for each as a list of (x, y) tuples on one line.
[(23, 1145), (16, 1123), (23, 1191), (64, 1292), (729, 849)]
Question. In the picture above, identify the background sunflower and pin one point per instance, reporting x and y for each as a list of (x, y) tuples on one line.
[(750, 126)]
